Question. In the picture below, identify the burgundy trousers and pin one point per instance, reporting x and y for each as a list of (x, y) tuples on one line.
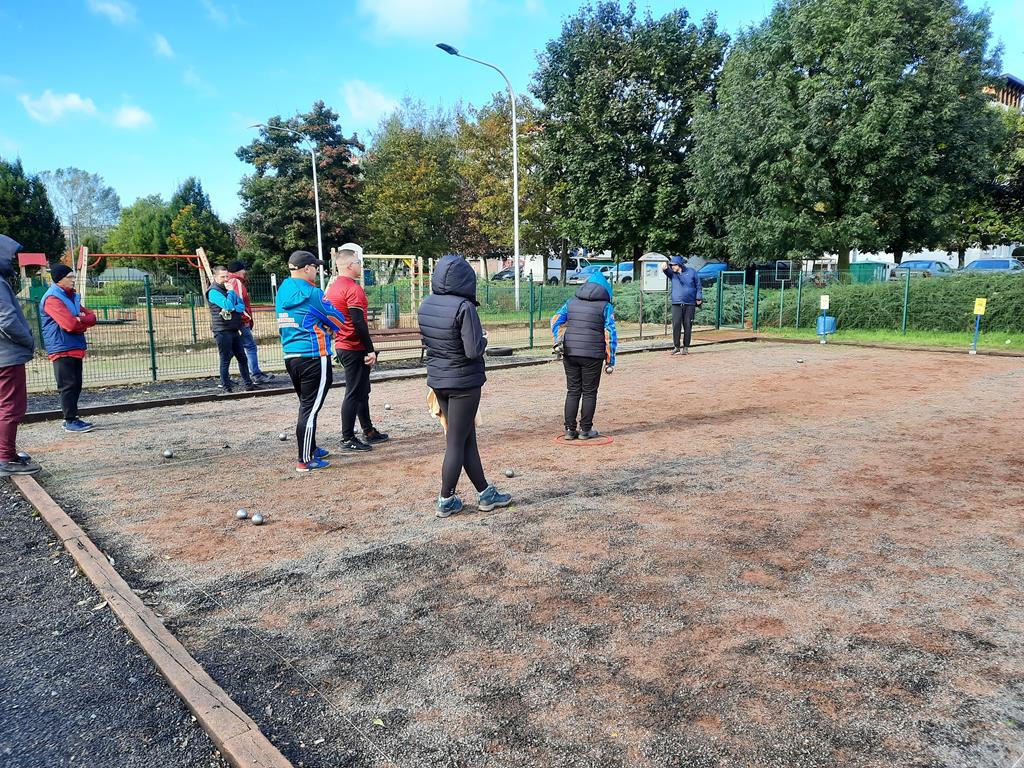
[(13, 404)]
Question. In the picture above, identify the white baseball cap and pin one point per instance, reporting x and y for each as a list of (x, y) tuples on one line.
[(355, 247)]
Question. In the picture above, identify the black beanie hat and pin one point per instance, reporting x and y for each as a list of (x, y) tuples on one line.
[(59, 271), (237, 266)]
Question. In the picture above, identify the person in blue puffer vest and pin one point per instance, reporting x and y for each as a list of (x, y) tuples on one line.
[(686, 297), (587, 346), (227, 313), (64, 321)]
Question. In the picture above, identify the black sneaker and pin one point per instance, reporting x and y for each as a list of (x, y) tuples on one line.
[(251, 386), (374, 435), (587, 434), (18, 466), (355, 444), (226, 391), (571, 434)]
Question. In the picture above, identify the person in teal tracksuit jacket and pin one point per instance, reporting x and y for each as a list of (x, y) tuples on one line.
[(587, 345), (307, 323)]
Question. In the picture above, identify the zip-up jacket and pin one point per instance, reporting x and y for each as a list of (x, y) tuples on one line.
[(685, 285), (220, 299), (450, 327), (589, 322), (240, 285), (16, 343), (64, 321), (305, 319)]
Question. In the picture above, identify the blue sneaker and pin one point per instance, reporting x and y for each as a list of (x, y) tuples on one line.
[(321, 453), (449, 506), (309, 466), (491, 498), (77, 425)]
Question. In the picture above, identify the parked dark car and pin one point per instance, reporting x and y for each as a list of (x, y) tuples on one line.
[(506, 274), (995, 265), (710, 271)]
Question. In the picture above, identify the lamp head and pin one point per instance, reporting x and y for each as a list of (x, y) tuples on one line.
[(448, 49)]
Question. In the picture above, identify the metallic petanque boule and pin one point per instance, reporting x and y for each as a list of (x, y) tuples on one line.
[(283, 436), (510, 472), (168, 454), (242, 514), (257, 519), (387, 406)]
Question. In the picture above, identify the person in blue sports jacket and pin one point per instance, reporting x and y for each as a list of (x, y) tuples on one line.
[(587, 345), (686, 297), (307, 323), (226, 311)]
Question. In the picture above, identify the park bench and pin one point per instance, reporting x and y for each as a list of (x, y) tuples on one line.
[(164, 299), (388, 335)]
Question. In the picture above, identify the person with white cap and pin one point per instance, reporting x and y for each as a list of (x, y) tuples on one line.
[(354, 348)]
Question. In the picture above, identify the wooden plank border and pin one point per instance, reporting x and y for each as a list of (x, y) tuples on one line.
[(232, 731)]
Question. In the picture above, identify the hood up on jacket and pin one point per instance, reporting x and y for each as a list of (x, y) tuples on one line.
[(8, 254), (597, 288), (453, 275), (678, 260)]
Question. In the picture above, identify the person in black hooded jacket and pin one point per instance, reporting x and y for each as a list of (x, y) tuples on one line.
[(455, 344)]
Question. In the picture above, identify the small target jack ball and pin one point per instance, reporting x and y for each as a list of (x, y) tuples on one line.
[(257, 519), (387, 406), (510, 472), (283, 436), (242, 514), (168, 454), (800, 360)]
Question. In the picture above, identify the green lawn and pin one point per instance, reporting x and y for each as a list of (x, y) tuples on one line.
[(992, 340)]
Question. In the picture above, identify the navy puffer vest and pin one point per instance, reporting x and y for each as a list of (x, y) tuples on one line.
[(453, 294), (584, 329), (218, 323)]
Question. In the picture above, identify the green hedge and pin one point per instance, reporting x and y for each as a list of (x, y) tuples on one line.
[(934, 304)]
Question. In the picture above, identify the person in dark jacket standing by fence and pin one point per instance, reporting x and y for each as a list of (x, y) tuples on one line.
[(355, 349), (686, 297), (238, 281), (16, 348), (587, 346), (64, 321), (455, 343), (226, 314)]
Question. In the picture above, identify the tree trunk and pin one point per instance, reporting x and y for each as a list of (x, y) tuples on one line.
[(637, 253), (484, 260), (897, 253), (844, 258), (961, 254)]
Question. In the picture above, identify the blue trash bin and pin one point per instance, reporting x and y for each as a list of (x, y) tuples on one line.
[(826, 324)]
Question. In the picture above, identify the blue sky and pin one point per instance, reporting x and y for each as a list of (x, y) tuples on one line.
[(149, 93)]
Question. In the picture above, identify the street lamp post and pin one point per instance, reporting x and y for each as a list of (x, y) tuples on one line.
[(515, 160), (316, 187)]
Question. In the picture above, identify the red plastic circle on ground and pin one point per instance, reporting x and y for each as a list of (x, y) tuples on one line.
[(594, 441)]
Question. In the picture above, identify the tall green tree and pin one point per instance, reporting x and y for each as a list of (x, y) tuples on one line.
[(278, 213), (86, 206), (195, 225), (412, 196), (26, 213), (484, 142), (618, 95), (842, 124)]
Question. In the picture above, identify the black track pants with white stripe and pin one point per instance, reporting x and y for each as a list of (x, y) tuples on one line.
[(311, 378)]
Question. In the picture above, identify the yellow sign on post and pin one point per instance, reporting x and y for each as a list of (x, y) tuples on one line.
[(979, 306)]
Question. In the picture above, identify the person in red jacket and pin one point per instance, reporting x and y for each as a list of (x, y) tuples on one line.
[(355, 349), (64, 323), (238, 281)]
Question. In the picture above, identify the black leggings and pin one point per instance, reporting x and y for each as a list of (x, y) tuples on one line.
[(459, 407)]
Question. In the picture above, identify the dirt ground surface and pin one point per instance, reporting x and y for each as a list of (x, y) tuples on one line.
[(775, 563), (74, 689)]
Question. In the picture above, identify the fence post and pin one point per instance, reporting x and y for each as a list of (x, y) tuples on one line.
[(782, 300), (192, 306), (394, 300), (487, 291), (906, 299), (531, 313), (718, 302), (149, 321), (799, 294), (641, 313), (540, 303), (757, 296)]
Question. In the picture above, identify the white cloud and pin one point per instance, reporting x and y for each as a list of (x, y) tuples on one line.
[(132, 117), (192, 79), (220, 15), (364, 103), (162, 47), (118, 11), (51, 107), (416, 18)]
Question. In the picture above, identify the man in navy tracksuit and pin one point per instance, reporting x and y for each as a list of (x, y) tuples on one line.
[(686, 297), (307, 323), (588, 345)]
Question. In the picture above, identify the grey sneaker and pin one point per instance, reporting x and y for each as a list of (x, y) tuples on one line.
[(449, 506), (490, 498), (587, 434), (571, 434), (676, 351)]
